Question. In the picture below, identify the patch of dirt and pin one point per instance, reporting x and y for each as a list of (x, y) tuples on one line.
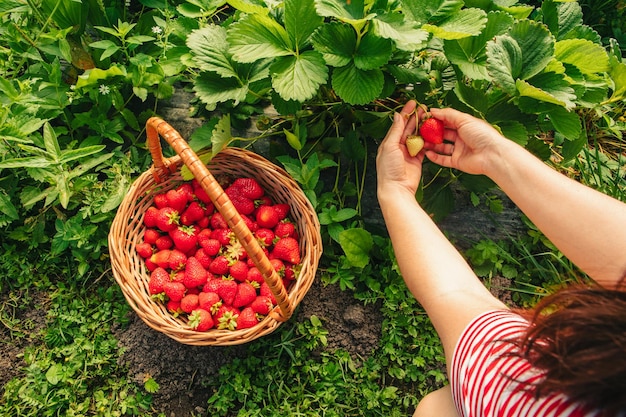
[(180, 369)]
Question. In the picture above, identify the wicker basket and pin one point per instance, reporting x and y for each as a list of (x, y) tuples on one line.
[(127, 231)]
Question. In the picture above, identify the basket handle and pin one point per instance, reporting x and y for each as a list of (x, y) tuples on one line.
[(156, 126)]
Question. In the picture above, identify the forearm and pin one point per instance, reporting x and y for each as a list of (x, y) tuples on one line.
[(586, 225), (434, 271)]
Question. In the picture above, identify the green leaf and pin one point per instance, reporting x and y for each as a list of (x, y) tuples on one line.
[(7, 207), (352, 12), (212, 89), (211, 50), (373, 52), (50, 141), (222, 134), (556, 85), (73, 154), (585, 55), (536, 44), (255, 37), (431, 11), (55, 374), (356, 244), (504, 62), (562, 17), (26, 162), (618, 76), (356, 86), (299, 77), (408, 36), (95, 76), (336, 42), (248, 7), (464, 23), (567, 123), (301, 20), (470, 53), (527, 90)]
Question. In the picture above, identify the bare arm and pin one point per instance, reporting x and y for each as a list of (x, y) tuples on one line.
[(434, 271), (587, 226)]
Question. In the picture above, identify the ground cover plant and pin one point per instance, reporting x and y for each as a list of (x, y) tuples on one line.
[(311, 85)]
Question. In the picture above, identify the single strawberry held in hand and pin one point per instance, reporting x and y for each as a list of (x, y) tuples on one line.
[(431, 130), (414, 144)]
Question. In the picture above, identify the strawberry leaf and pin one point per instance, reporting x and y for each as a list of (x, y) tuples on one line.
[(357, 244), (336, 42), (464, 23), (356, 86), (301, 20), (407, 35), (256, 37), (299, 77)]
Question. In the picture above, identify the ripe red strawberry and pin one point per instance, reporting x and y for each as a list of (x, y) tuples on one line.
[(192, 213), (226, 317), (249, 187), (187, 189), (201, 320), (199, 192), (265, 236), (292, 271), (178, 276), (224, 236), (160, 200), (189, 303), (247, 319), (212, 285), (262, 304), (431, 130), (266, 200), (265, 290), (161, 258), (217, 221), (211, 246), (164, 242), (177, 199), (151, 236), (177, 260), (204, 259), (219, 266), (151, 266), (185, 238), (150, 216), (195, 274), (287, 249), (175, 291), (245, 294), (278, 265), (209, 301), (252, 225), (144, 250), (267, 217), (285, 228), (239, 271), (158, 278), (203, 222), (254, 275), (174, 307), (227, 289), (242, 204), (167, 219), (282, 209)]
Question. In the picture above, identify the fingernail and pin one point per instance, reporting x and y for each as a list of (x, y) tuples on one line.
[(396, 117)]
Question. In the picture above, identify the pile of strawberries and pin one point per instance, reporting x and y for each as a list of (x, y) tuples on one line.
[(198, 267)]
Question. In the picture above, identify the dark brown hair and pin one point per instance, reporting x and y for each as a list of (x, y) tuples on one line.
[(577, 337)]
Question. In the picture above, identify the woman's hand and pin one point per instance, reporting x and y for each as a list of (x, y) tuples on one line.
[(395, 167), (470, 143)]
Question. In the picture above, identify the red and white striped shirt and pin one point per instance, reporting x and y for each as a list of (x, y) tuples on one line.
[(487, 381)]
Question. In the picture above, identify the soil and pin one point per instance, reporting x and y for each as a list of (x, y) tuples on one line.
[(181, 369)]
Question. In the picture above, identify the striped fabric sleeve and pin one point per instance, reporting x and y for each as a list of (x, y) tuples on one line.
[(486, 380)]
